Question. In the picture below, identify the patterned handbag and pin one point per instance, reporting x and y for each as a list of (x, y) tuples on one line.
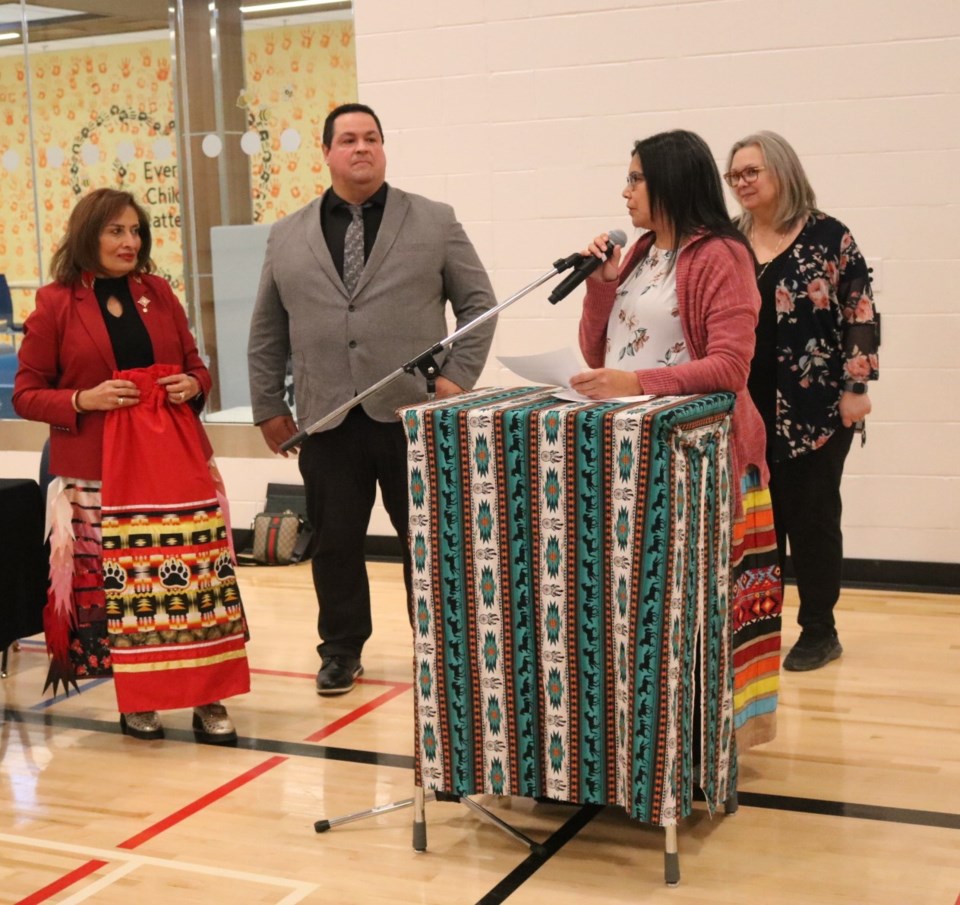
[(275, 537)]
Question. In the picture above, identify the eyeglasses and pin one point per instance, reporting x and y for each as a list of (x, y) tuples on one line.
[(747, 174), (634, 179)]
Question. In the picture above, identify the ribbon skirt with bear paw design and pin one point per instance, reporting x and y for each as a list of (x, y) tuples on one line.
[(175, 620)]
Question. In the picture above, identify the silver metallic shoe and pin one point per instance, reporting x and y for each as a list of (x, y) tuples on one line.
[(143, 724), (212, 724)]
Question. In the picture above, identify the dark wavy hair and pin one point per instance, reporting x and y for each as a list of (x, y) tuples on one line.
[(327, 138), (683, 186), (79, 250)]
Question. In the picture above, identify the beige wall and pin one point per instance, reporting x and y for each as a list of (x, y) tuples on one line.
[(521, 113)]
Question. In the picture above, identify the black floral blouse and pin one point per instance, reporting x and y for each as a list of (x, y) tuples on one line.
[(818, 329)]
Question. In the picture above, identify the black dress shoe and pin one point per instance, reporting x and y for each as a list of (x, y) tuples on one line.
[(338, 675), (812, 653)]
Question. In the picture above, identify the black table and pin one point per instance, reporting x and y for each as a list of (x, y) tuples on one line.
[(23, 592)]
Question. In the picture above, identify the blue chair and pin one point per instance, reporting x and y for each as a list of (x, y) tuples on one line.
[(8, 355), (6, 308)]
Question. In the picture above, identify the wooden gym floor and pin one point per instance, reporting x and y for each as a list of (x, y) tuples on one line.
[(856, 801)]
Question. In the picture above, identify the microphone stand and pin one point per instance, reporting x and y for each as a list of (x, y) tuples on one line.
[(427, 365), (425, 362)]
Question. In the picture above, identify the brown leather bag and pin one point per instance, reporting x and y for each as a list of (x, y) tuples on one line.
[(279, 538)]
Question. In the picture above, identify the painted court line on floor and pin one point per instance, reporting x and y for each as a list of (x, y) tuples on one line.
[(358, 712), (75, 876), (194, 807), (65, 882), (98, 857), (200, 803)]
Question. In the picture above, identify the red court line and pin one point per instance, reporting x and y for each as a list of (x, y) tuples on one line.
[(201, 802), (363, 710), (388, 682), (310, 675), (395, 690), (283, 673), (41, 895), (134, 841)]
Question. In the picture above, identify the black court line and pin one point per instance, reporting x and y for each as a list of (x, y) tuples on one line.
[(905, 816), (271, 746), (524, 871), (533, 862), (530, 865), (909, 816)]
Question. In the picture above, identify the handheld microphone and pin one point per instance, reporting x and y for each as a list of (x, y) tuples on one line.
[(587, 266)]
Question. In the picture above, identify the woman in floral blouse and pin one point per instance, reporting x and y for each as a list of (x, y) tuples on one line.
[(677, 314), (674, 315), (816, 352)]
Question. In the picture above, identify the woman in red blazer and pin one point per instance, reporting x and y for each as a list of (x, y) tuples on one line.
[(142, 584)]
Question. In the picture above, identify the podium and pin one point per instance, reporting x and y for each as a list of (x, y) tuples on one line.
[(571, 584)]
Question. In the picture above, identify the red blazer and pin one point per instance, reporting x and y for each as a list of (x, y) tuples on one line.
[(66, 347)]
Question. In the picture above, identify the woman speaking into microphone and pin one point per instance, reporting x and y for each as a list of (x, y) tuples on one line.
[(676, 315)]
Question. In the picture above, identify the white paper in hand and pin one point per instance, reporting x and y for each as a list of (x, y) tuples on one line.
[(550, 368), (555, 369)]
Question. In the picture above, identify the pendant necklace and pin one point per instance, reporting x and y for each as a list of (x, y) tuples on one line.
[(776, 251)]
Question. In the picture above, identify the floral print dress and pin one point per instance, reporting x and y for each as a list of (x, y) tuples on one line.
[(644, 330), (818, 329)]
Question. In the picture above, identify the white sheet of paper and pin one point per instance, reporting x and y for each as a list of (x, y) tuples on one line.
[(571, 395), (551, 368), (555, 369)]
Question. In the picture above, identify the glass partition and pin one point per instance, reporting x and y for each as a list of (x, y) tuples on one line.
[(210, 113)]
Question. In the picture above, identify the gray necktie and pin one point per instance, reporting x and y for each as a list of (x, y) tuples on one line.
[(353, 248)]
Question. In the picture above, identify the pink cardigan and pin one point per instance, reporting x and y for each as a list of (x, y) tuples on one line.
[(718, 301)]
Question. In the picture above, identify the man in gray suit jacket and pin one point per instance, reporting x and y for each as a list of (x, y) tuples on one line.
[(405, 257)]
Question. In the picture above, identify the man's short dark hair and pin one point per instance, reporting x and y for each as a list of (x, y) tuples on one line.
[(340, 111)]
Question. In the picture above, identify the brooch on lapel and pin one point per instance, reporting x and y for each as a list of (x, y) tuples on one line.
[(143, 302)]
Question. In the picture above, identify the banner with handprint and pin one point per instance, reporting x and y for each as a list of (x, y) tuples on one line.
[(174, 615)]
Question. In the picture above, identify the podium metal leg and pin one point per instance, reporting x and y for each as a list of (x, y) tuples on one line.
[(671, 857), (535, 847), (732, 804), (671, 853), (321, 826), (420, 820)]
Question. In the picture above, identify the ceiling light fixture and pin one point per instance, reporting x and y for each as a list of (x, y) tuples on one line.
[(9, 36), (289, 4)]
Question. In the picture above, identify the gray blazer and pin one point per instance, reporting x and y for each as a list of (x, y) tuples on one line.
[(342, 345)]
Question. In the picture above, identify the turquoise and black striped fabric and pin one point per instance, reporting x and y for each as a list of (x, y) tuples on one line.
[(572, 586)]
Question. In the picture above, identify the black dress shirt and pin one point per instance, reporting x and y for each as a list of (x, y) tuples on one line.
[(128, 335)]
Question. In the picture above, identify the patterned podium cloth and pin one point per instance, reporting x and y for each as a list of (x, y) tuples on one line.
[(573, 592)]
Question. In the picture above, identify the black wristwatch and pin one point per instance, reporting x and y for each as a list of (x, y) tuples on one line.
[(855, 386)]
